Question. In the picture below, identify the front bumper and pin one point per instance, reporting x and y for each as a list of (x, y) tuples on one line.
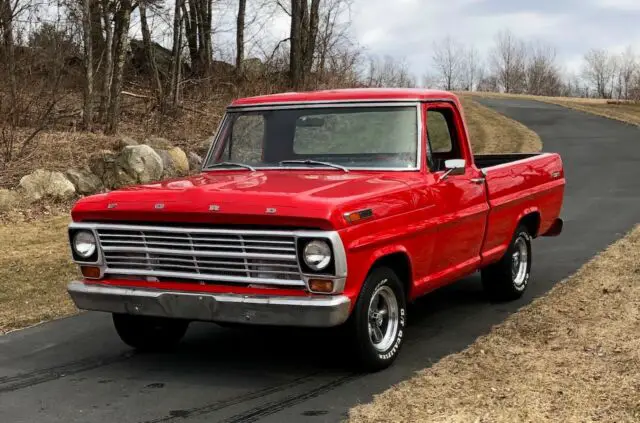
[(314, 311)]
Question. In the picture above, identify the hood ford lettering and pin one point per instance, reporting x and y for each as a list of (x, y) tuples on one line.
[(271, 210), (214, 207)]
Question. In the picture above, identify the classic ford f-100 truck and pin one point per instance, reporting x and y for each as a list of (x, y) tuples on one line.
[(317, 209)]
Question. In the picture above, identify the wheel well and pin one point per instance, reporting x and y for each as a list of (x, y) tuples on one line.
[(532, 223), (400, 264)]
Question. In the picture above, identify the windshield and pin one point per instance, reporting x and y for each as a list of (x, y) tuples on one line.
[(367, 137)]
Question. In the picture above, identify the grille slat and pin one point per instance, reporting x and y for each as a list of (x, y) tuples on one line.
[(202, 255)]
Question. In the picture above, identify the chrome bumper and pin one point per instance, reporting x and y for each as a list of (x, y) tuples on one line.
[(316, 311)]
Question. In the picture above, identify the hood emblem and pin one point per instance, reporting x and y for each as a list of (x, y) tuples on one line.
[(159, 206), (214, 207), (271, 210), (112, 205)]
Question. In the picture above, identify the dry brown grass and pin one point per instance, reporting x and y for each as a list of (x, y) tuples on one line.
[(627, 112), (571, 356), (35, 267), (493, 133)]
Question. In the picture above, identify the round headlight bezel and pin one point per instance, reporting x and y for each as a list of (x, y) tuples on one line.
[(84, 249), (317, 255)]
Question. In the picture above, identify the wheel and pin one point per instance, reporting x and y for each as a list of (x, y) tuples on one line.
[(507, 279), (149, 333), (377, 322)]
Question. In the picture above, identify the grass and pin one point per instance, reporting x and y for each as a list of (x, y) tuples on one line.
[(627, 112), (35, 266), (571, 356)]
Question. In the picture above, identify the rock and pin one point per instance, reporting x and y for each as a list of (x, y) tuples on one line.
[(122, 142), (86, 183), (180, 161), (195, 162), (203, 146), (43, 183), (158, 143), (101, 161), (138, 163), (8, 199), (103, 165), (174, 161)]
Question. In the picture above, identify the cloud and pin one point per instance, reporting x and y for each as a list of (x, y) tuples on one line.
[(409, 28)]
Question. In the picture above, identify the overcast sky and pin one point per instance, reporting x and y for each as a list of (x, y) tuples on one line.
[(407, 28)]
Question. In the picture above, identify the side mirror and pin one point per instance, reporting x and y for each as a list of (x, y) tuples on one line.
[(453, 167)]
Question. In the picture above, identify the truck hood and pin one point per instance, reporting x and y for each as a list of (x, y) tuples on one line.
[(315, 199)]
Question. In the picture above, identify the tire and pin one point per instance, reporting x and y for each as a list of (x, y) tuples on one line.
[(381, 305), (507, 280), (147, 333)]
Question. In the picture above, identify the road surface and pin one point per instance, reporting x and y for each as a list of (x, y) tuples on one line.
[(77, 370)]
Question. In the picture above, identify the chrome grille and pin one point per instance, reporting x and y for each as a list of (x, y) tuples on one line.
[(209, 255)]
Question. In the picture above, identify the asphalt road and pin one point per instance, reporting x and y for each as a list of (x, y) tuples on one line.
[(77, 370)]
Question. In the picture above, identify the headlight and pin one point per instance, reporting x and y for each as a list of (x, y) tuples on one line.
[(84, 244), (317, 255)]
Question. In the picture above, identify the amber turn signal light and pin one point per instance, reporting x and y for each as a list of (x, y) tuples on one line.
[(91, 272), (321, 285)]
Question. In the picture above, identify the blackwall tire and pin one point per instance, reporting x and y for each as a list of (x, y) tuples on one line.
[(377, 324), (149, 333), (508, 279)]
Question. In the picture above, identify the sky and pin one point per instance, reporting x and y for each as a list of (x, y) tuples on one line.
[(407, 29)]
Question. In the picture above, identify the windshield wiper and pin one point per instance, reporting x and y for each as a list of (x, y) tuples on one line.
[(315, 162), (246, 166)]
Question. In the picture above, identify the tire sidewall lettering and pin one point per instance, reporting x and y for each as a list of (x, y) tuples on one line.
[(393, 351)]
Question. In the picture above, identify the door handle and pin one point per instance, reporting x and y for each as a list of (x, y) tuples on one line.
[(477, 180)]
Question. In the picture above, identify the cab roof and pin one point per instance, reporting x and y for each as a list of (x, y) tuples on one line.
[(346, 95)]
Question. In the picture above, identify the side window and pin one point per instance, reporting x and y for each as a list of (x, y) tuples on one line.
[(442, 138), (438, 132)]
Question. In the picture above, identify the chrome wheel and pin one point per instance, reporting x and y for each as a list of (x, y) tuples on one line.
[(520, 263), (384, 319)]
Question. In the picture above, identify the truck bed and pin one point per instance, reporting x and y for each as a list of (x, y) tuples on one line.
[(519, 184), (488, 160)]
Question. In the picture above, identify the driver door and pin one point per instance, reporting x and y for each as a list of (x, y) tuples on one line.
[(461, 198)]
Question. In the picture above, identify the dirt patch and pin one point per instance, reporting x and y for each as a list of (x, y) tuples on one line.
[(493, 133), (35, 267), (571, 356), (624, 111)]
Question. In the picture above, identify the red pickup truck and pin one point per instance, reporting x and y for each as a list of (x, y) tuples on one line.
[(317, 209)]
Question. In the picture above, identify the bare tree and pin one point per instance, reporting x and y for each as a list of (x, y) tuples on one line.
[(122, 19), (242, 10), (149, 53), (542, 74), (472, 69), (8, 12), (87, 110), (508, 61), (107, 19), (598, 70), (388, 72), (448, 59), (176, 57), (303, 36), (198, 28), (628, 69)]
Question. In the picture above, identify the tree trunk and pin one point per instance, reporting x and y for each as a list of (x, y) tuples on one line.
[(87, 115), (295, 52), (208, 47), (98, 42), (108, 61), (240, 38), (121, 39), (6, 19), (312, 35), (191, 30), (175, 61), (149, 52)]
